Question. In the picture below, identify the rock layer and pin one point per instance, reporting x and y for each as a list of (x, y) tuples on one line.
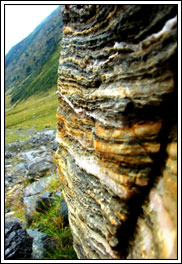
[(117, 111)]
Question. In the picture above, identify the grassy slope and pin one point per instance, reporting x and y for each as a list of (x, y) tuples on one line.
[(35, 113), (42, 81), (39, 110), (48, 221), (24, 63)]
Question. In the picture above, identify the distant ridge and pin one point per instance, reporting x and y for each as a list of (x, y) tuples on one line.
[(31, 65)]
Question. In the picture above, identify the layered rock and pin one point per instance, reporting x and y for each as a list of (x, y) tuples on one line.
[(18, 244), (156, 228), (117, 112)]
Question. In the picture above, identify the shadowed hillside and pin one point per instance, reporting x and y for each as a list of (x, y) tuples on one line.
[(31, 65)]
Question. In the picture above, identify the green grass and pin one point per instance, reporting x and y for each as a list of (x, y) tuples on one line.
[(50, 222), (31, 65), (36, 113), (21, 121), (41, 80)]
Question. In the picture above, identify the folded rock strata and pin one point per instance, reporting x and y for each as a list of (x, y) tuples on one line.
[(117, 99)]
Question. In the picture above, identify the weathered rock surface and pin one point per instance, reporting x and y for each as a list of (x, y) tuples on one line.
[(18, 244), (64, 212), (27, 160), (39, 167), (36, 199), (42, 244), (21, 243), (28, 164), (117, 113), (157, 225), (31, 159), (44, 138)]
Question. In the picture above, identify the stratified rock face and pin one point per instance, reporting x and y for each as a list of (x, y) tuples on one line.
[(117, 119)]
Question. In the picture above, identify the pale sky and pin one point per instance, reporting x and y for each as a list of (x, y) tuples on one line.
[(21, 20)]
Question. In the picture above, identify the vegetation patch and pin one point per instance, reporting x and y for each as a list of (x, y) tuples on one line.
[(31, 65), (50, 222), (36, 113)]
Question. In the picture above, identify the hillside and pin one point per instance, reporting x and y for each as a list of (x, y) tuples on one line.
[(31, 65), (35, 114)]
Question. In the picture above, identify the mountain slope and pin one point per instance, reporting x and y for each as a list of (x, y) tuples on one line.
[(31, 65)]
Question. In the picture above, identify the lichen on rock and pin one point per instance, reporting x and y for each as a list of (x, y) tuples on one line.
[(116, 131)]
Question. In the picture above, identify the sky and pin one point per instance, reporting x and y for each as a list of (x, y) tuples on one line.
[(21, 20)]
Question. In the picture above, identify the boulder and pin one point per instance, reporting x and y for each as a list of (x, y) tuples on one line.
[(39, 167), (15, 147), (34, 204), (36, 198), (27, 156), (18, 244), (42, 244), (43, 137), (38, 187), (29, 208), (21, 166), (15, 173), (50, 134)]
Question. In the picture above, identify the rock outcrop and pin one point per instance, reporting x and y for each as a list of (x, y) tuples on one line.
[(26, 162), (36, 198), (30, 159), (117, 129), (18, 244), (42, 244)]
